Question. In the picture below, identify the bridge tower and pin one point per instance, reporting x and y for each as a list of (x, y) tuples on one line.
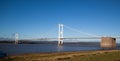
[(16, 38), (60, 34)]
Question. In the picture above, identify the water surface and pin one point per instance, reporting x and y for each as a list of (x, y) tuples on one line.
[(12, 49)]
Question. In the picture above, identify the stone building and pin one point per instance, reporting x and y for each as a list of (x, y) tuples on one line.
[(108, 42)]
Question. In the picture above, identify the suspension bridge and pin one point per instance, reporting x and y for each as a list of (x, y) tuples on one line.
[(61, 37)]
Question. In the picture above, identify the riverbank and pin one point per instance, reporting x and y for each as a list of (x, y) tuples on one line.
[(99, 55)]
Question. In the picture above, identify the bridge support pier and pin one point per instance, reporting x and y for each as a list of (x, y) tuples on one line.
[(60, 34), (108, 42)]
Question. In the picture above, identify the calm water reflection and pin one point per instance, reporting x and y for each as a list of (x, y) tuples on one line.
[(12, 49)]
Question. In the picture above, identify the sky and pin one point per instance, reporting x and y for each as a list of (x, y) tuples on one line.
[(34, 18)]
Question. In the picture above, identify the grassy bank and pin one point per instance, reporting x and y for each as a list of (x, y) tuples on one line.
[(105, 55)]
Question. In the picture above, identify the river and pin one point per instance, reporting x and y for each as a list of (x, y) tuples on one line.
[(13, 49)]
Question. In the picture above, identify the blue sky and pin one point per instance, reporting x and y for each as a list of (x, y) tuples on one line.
[(33, 18)]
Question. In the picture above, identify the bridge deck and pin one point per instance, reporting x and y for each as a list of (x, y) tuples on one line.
[(68, 38)]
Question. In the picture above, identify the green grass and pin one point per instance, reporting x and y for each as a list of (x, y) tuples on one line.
[(109, 55), (112, 56)]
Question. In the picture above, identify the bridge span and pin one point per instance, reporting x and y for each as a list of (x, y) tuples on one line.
[(67, 38), (60, 37)]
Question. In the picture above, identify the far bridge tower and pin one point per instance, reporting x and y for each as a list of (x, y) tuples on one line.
[(16, 38)]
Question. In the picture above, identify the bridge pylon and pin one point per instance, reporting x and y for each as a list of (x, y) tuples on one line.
[(16, 38), (60, 34)]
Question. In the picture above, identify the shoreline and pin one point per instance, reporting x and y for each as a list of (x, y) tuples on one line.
[(57, 52), (82, 51)]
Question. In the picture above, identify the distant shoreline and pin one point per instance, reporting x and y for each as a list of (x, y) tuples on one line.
[(42, 42)]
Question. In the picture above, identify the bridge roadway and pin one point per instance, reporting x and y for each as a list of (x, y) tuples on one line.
[(67, 38)]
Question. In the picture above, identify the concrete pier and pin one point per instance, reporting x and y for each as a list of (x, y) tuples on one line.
[(108, 42)]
